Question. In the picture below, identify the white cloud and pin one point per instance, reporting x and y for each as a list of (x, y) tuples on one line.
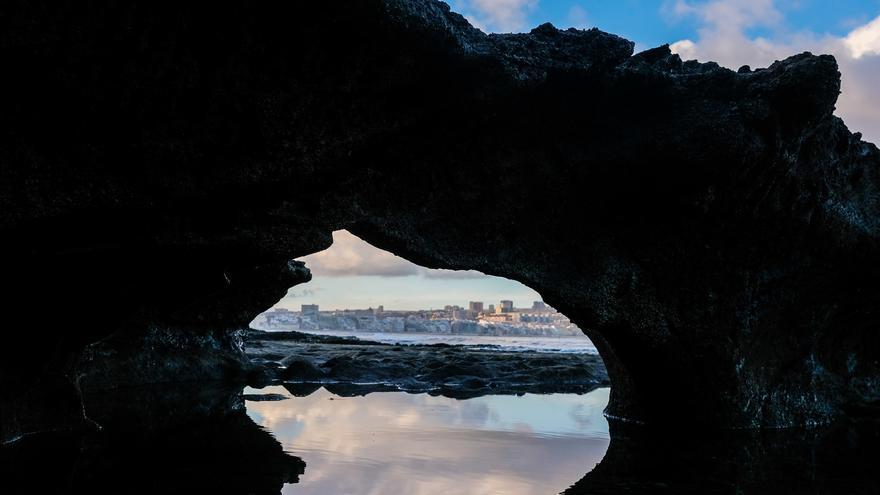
[(722, 32), (351, 256), (864, 40), (497, 15), (731, 14), (722, 37), (686, 49)]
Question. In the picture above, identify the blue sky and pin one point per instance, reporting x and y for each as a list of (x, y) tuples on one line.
[(353, 274), (730, 32), (654, 22)]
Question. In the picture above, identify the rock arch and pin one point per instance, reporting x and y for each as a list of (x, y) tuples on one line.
[(716, 231)]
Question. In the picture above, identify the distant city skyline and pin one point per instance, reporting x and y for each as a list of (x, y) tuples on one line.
[(352, 274)]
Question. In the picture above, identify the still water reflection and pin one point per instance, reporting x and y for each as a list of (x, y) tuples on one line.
[(393, 442)]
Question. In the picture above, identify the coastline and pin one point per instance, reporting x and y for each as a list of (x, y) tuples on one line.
[(304, 362), (514, 343)]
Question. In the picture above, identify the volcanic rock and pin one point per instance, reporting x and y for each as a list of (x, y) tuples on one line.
[(714, 232)]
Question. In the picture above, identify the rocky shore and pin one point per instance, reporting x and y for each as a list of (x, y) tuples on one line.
[(348, 366), (189, 437), (167, 161)]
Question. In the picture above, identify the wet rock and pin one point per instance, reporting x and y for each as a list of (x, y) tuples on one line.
[(837, 459), (715, 232), (454, 371), (187, 439), (297, 368), (218, 454), (264, 397), (301, 389), (467, 382), (260, 376)]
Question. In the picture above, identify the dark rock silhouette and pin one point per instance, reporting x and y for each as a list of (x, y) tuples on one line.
[(352, 368), (155, 439), (715, 232), (838, 459)]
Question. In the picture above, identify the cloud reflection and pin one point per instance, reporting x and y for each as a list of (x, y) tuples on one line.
[(387, 443)]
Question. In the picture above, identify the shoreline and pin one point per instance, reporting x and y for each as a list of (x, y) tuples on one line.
[(563, 344), (302, 362)]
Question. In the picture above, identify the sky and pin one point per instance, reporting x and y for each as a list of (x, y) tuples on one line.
[(731, 32), (353, 274)]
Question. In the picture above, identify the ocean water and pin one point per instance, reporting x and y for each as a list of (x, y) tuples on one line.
[(397, 443), (578, 344)]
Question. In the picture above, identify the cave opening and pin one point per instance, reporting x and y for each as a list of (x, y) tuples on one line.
[(715, 230), (379, 367)]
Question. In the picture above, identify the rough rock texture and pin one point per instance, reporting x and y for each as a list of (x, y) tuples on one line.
[(715, 232), (835, 459), (155, 439), (451, 371)]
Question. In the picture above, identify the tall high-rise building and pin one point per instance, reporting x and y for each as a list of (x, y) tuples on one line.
[(475, 306), (539, 305), (309, 309), (506, 307), (491, 308)]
